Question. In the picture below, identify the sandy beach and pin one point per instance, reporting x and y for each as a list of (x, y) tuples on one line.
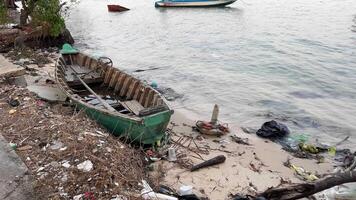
[(235, 175)]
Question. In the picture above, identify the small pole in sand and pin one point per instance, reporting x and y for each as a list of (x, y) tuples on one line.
[(214, 117)]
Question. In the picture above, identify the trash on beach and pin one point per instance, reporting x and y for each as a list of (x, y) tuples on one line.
[(239, 140), (56, 145), (213, 161), (302, 174), (85, 166), (14, 102), (116, 8), (309, 148), (148, 193), (13, 145), (12, 111), (185, 190), (212, 127), (273, 129), (172, 154)]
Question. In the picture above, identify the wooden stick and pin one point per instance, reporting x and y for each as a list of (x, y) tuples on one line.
[(298, 191), (105, 104), (210, 162)]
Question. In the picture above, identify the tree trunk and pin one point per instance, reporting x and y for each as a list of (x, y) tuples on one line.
[(297, 191)]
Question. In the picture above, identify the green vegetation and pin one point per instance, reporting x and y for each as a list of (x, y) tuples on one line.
[(46, 13), (3, 12)]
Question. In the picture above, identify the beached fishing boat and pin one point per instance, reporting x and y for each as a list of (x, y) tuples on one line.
[(120, 102), (193, 3)]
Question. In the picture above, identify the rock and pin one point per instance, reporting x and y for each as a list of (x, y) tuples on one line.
[(48, 93), (85, 166)]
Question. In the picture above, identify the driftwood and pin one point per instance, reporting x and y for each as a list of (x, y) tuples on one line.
[(297, 191), (210, 162)]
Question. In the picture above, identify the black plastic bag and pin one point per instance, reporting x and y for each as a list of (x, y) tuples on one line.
[(273, 129)]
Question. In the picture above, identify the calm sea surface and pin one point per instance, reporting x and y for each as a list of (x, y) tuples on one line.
[(290, 60)]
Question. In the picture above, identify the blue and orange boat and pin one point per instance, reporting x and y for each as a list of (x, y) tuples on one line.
[(193, 3)]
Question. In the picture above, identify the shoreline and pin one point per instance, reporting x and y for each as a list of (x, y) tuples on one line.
[(257, 166)]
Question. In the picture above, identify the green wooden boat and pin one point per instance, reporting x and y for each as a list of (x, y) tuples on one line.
[(123, 104)]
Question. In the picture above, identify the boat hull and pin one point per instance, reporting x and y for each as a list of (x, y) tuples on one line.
[(148, 131), (194, 3)]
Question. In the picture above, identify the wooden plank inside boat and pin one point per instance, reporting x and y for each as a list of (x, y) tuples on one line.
[(90, 77), (133, 106)]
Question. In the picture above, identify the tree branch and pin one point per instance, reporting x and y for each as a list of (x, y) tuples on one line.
[(297, 191)]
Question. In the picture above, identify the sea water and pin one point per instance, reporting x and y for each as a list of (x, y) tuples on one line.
[(289, 60)]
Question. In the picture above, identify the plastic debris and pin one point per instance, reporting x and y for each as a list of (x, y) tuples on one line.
[(56, 145), (303, 174), (186, 190), (239, 140), (172, 154), (13, 145), (12, 111), (14, 102), (148, 193), (119, 197), (85, 166), (66, 164), (273, 129), (78, 197)]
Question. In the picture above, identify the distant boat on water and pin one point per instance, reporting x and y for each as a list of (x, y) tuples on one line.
[(116, 8), (193, 3)]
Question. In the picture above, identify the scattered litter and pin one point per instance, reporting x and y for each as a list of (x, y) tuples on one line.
[(78, 197), (108, 149), (56, 145), (119, 197), (172, 154), (186, 190), (66, 164), (26, 98), (13, 145), (239, 140), (63, 149), (40, 169), (273, 129), (14, 102), (12, 111), (85, 166), (148, 193)]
